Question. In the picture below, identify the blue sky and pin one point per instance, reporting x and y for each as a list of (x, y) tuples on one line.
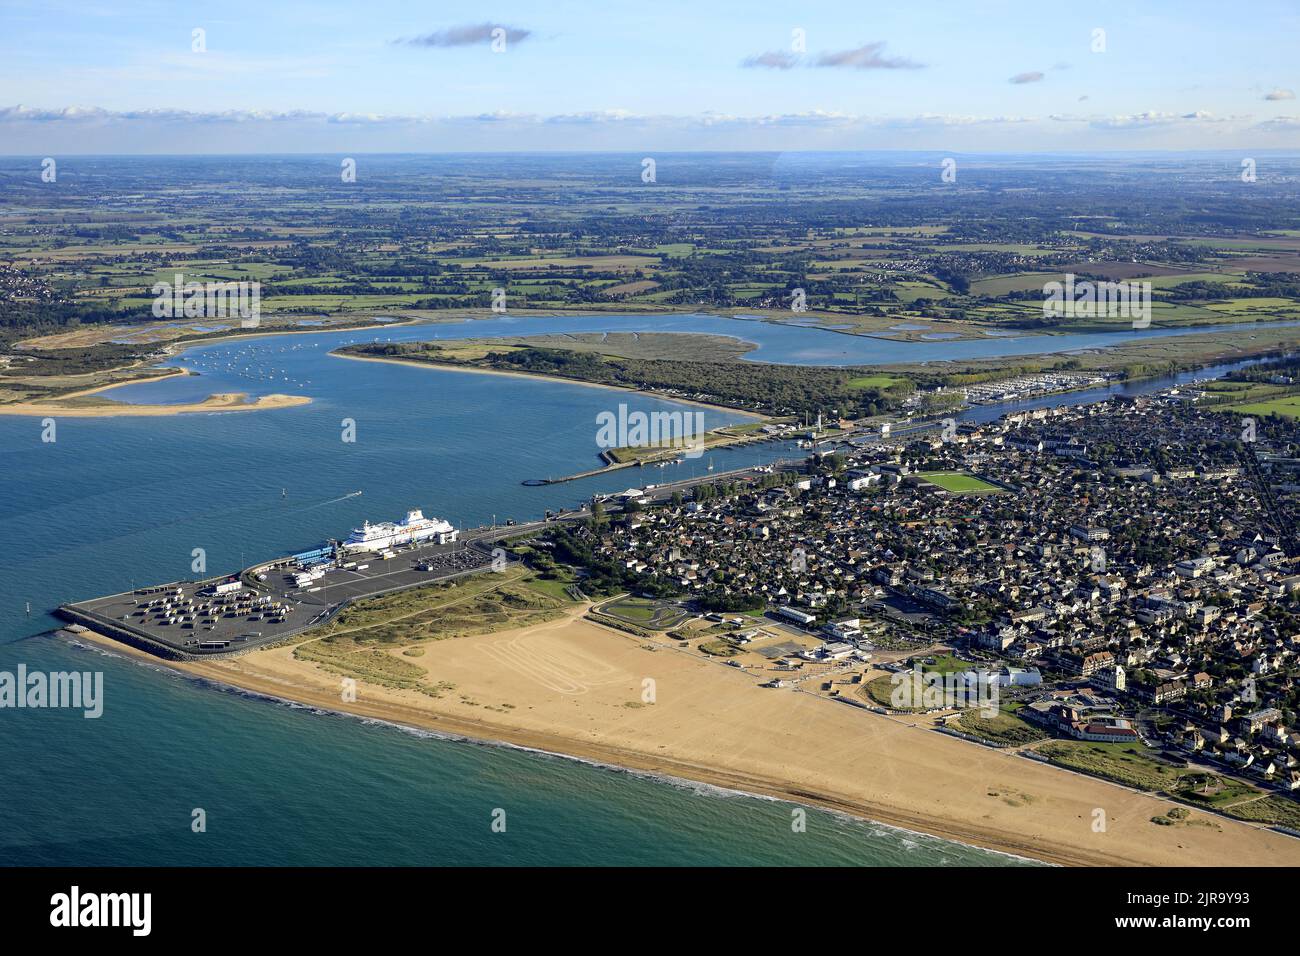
[(390, 75)]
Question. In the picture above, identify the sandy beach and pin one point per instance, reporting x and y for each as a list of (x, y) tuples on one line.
[(219, 402), (573, 687), (222, 402)]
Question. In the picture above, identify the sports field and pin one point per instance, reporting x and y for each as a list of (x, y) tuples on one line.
[(958, 482)]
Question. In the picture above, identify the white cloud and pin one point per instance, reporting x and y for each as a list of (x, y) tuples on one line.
[(596, 117), (91, 129), (1280, 124), (77, 114), (1145, 120)]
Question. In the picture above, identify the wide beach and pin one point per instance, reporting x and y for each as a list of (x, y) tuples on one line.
[(575, 688)]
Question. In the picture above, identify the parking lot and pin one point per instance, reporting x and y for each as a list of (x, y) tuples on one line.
[(373, 575), (903, 610), (229, 613)]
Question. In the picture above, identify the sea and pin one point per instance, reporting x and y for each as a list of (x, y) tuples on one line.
[(116, 503)]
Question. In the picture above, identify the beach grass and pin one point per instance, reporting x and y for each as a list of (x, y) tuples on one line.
[(1129, 764), (1003, 729)]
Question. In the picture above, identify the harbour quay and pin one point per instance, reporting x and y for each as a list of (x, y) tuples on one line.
[(269, 602)]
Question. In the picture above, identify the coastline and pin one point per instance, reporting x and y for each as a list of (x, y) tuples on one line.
[(272, 694), (917, 780), (226, 402), (217, 402)]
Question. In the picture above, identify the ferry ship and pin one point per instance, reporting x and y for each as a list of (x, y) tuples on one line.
[(414, 528)]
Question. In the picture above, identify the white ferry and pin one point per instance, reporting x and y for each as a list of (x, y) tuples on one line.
[(415, 527)]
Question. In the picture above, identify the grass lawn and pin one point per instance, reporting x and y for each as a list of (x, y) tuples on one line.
[(958, 482), (1213, 790), (553, 587), (948, 664), (637, 610), (874, 381), (1274, 809), (881, 690)]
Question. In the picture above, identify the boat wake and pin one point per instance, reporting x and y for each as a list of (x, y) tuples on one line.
[(322, 504)]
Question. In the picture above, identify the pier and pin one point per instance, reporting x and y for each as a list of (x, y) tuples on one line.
[(731, 441)]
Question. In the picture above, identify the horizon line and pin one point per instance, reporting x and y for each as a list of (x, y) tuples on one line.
[(1223, 150)]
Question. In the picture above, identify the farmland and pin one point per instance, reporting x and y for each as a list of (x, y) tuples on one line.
[(1288, 407), (895, 254)]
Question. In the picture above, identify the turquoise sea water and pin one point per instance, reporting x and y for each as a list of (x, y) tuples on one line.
[(114, 503)]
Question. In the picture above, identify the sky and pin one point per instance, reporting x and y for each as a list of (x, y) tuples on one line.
[(247, 76)]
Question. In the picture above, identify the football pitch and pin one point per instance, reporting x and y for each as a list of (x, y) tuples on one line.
[(958, 482)]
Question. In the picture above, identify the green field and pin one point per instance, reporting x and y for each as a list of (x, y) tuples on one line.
[(874, 381), (1285, 407), (1017, 282), (958, 482)]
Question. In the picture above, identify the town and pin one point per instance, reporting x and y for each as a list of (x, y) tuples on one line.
[(1124, 572)]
